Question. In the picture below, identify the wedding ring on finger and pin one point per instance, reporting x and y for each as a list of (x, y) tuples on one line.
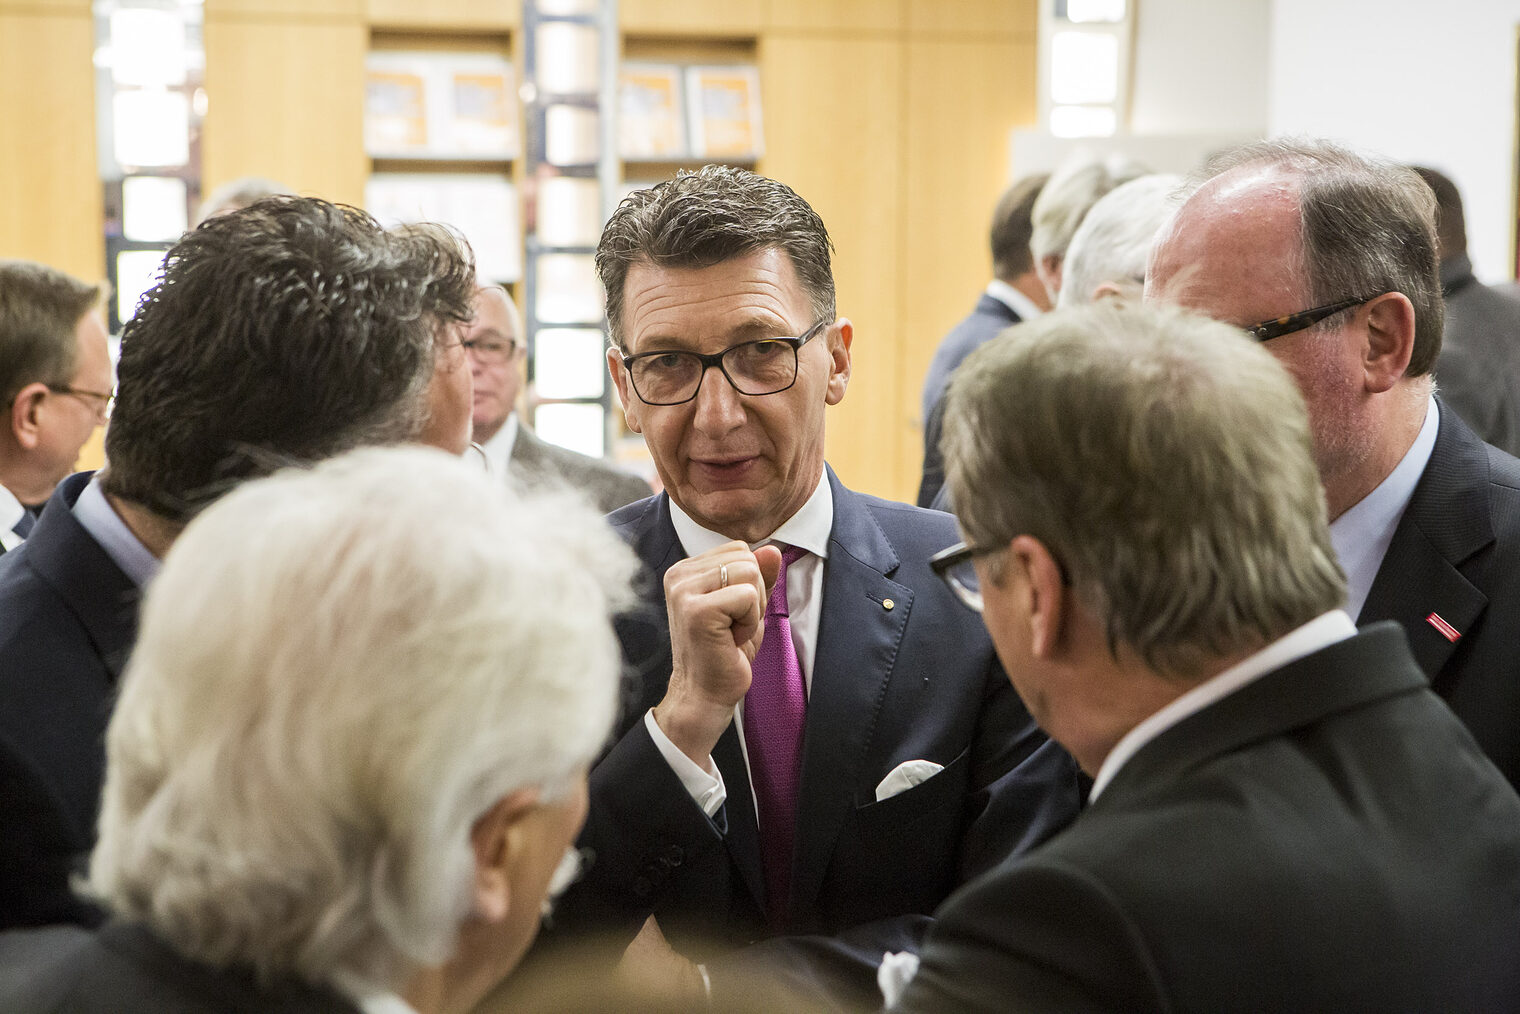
[(723, 576)]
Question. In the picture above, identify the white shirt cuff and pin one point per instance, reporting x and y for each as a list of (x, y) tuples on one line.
[(706, 790)]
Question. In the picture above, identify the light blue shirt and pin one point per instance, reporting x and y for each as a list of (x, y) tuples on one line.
[(1362, 535), (96, 515)]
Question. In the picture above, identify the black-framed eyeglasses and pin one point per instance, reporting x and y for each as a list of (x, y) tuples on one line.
[(103, 410), (1276, 328), (491, 353), (671, 377), (954, 567)]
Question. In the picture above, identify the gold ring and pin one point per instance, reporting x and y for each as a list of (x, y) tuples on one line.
[(723, 576)]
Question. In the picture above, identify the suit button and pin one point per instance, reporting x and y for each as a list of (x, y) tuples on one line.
[(643, 887), (675, 855)]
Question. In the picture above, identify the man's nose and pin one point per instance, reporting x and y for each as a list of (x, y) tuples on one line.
[(720, 408)]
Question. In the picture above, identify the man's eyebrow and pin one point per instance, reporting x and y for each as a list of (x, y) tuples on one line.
[(753, 329), (491, 334)]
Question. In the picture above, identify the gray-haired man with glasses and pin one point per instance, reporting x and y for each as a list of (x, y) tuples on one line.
[(1329, 258), (820, 745)]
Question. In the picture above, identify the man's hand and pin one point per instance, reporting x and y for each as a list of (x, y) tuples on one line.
[(715, 630), (652, 971)]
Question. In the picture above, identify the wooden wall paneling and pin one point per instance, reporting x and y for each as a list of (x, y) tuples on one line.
[(446, 15), (833, 123), (691, 17), (46, 6), (286, 101), (965, 100), (51, 201), (281, 10), (974, 16), (855, 17)]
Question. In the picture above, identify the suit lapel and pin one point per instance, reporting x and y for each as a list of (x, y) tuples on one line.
[(1446, 522), (858, 638)]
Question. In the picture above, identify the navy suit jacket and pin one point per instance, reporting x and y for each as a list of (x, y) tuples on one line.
[(1327, 838), (989, 318), (902, 671), (68, 618), (1456, 555)]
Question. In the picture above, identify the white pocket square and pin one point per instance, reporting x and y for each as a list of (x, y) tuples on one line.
[(905, 776)]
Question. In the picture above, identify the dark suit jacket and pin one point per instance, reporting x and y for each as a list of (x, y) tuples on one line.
[(1327, 838), (125, 969), (1479, 367), (68, 618), (902, 671), (989, 318), (1456, 555), (537, 461)]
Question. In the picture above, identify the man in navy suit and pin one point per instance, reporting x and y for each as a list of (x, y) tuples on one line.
[(827, 752), (289, 331), (1329, 258), (1014, 294)]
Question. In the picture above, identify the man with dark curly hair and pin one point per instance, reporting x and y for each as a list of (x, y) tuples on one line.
[(289, 331)]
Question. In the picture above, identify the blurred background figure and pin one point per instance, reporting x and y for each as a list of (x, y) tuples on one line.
[(1014, 294), (350, 750), (1109, 250), (238, 194), (1479, 367), (496, 349), (55, 384), (1063, 203)]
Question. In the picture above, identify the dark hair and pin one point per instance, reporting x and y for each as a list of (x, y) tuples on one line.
[(1011, 228), (40, 309), (1451, 221), (291, 330), (1368, 228), (709, 216)]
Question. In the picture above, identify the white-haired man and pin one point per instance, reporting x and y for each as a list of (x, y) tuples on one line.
[(1329, 259), (1071, 191), (1109, 250), (1283, 816), (347, 759)]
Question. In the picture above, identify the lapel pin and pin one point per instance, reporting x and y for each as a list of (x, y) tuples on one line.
[(1445, 629)]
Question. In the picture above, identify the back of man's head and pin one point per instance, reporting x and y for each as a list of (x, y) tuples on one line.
[(293, 329), (1163, 459), (40, 308), (1368, 227), (1068, 194), (706, 217), (1451, 220), (1012, 225), (1113, 243)]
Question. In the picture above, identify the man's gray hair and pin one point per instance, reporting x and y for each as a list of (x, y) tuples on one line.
[(238, 194), (1068, 194), (1114, 241), (1368, 228), (1164, 460), (709, 216), (339, 671)]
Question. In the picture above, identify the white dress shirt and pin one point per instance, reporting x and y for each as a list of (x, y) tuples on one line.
[(366, 995), (1013, 299), (1362, 535), (498, 449), (808, 529), (10, 512), (96, 515), (1320, 632)]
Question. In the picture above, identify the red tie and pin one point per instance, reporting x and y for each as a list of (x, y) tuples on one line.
[(774, 711)]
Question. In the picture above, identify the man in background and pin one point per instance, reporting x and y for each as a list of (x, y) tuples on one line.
[(1109, 251), (1014, 294), (290, 331), (1479, 368), (495, 346), (1071, 190), (1329, 258), (55, 384), (1283, 816)]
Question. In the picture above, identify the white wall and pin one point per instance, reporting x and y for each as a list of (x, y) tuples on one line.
[(1415, 80), (1200, 67)]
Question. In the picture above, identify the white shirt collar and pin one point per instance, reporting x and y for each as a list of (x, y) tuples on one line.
[(1013, 299), (499, 448), (1362, 535), (807, 529), (10, 512), (1318, 633), (366, 995), (96, 516)]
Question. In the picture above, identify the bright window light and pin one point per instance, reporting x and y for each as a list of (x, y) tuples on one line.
[(147, 47), (581, 428), (1084, 67), (1087, 11), (1083, 121)]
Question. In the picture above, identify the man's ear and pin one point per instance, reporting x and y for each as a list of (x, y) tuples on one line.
[(496, 840), (1049, 598), (1390, 340), (626, 395), (1049, 270), (839, 337), (26, 415)]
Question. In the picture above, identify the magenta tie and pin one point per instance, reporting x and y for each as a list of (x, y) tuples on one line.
[(774, 710)]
